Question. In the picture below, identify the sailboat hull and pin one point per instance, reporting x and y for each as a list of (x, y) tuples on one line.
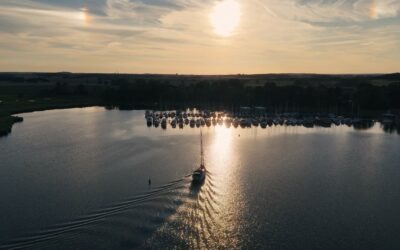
[(199, 175)]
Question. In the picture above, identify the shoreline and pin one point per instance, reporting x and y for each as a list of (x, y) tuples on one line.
[(8, 119), (349, 96), (9, 116), (6, 124)]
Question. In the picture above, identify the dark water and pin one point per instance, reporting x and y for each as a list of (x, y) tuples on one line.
[(77, 179)]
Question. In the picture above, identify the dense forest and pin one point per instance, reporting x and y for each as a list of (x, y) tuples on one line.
[(356, 95), (234, 93), (352, 98)]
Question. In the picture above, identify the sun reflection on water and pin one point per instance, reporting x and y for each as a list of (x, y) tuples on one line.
[(223, 163), (221, 147)]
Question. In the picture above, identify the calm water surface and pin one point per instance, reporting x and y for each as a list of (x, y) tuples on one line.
[(77, 179)]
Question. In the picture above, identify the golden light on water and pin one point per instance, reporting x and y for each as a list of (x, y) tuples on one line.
[(225, 17), (222, 141), (219, 151)]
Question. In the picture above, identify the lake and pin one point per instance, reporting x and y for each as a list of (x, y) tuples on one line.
[(78, 179)]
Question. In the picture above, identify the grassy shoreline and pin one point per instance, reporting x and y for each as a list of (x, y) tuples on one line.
[(9, 110)]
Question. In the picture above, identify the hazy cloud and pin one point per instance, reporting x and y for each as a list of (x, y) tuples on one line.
[(170, 36)]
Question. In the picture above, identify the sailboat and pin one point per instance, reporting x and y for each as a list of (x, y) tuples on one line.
[(199, 174)]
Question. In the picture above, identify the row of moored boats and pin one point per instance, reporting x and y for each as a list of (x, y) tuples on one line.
[(199, 119)]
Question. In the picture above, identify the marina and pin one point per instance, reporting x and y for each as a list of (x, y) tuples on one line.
[(198, 118)]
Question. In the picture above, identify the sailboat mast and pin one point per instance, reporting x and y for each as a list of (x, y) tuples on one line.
[(201, 149)]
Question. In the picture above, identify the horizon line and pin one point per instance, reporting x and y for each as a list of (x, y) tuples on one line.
[(190, 74)]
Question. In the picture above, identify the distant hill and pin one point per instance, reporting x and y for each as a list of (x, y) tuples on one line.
[(393, 76)]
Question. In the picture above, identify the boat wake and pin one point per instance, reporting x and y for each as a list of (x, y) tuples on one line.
[(176, 211), (197, 224)]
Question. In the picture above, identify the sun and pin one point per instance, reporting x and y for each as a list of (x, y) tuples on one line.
[(225, 17)]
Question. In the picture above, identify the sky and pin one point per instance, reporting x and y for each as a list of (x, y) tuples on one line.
[(200, 37)]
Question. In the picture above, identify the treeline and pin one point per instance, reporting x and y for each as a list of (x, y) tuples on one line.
[(233, 93)]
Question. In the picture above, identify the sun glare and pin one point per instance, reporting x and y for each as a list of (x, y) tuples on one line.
[(225, 16), (84, 15)]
